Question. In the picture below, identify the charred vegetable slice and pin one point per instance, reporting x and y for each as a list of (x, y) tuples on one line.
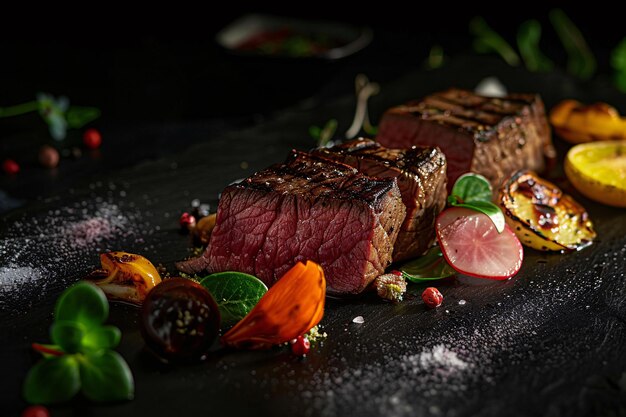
[(125, 276), (542, 216)]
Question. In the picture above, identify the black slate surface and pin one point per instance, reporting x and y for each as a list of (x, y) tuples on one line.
[(550, 341)]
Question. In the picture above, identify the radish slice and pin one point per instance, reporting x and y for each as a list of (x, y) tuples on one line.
[(472, 245)]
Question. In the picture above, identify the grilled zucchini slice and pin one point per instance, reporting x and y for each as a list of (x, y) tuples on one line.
[(542, 216)]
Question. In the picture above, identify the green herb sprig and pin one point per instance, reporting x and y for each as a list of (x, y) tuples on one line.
[(56, 112), (581, 61), (488, 40), (528, 37), (474, 192), (618, 61), (81, 358), (323, 135)]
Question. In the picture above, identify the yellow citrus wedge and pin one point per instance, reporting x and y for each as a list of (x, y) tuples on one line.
[(598, 171)]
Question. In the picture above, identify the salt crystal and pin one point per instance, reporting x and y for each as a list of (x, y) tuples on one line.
[(358, 320)]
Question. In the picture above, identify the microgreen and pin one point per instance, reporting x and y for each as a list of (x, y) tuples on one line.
[(430, 267), (81, 359), (235, 293), (323, 135), (56, 112), (528, 37), (618, 61), (488, 40), (474, 192), (581, 61)]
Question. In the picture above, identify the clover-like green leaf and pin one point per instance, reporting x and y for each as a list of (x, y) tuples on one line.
[(106, 377), (68, 335), (102, 337), (83, 303), (52, 380)]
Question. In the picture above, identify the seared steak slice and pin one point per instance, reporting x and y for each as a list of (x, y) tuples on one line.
[(421, 174), (490, 136), (306, 208)]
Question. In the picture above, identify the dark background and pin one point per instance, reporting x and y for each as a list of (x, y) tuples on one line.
[(168, 67)]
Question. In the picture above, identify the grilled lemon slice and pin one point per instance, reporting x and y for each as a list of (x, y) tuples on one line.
[(542, 217), (598, 171)]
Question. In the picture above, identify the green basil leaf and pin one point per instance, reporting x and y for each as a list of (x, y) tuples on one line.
[(52, 380), (488, 208), (67, 334), (106, 377), (471, 187), (235, 294), (104, 337), (429, 267), (83, 303), (78, 116)]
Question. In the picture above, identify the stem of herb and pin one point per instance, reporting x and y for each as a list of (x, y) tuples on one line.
[(581, 61), (19, 109), (528, 37), (487, 40)]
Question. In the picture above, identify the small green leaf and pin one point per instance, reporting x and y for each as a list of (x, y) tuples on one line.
[(83, 303), (429, 267), (580, 62), (52, 380), (471, 187), (104, 337), (106, 377), (79, 116), (315, 132), (67, 334), (327, 133), (235, 294), (488, 208)]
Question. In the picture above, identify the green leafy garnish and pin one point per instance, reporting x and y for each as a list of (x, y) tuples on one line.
[(581, 61), (56, 112), (528, 37), (53, 380), (487, 40), (81, 358), (429, 267), (323, 135), (435, 57), (618, 61), (474, 192), (235, 293)]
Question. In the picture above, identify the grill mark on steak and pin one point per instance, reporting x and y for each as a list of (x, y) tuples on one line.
[(307, 208), (421, 175), (491, 136)]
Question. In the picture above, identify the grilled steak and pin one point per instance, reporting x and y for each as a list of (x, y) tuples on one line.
[(421, 174), (490, 136), (306, 208)]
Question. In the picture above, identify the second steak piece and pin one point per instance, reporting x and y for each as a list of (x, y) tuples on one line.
[(490, 136), (308, 208), (421, 174)]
